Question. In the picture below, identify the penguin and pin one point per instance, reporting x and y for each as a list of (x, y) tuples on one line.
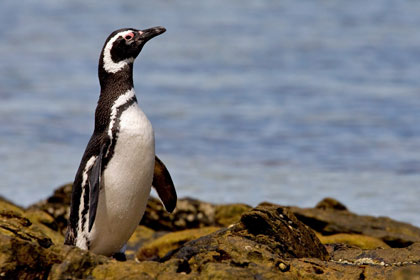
[(119, 166)]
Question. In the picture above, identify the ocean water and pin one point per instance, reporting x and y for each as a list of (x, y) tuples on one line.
[(251, 101)]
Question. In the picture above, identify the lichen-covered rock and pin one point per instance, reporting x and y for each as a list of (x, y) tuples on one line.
[(75, 263), (57, 206), (267, 242), (16, 225), (156, 249), (7, 205), (330, 221), (128, 270), (254, 246), (331, 203), (25, 245), (189, 213), (25, 259), (227, 214), (279, 229), (358, 240), (384, 257), (411, 272), (141, 236), (44, 222), (27, 249)]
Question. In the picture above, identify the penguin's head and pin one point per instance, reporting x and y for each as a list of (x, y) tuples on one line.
[(124, 45)]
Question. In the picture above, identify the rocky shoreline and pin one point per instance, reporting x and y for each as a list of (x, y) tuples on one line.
[(201, 240)]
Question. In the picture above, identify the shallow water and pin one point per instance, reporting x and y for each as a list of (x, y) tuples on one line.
[(281, 101)]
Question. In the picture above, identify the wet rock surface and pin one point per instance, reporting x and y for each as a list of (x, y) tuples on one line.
[(201, 240)]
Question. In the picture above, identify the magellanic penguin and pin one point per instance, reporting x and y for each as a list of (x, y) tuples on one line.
[(119, 166)]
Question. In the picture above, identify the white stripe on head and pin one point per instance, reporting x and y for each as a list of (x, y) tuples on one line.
[(109, 65)]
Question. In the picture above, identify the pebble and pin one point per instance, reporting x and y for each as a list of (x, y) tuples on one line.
[(282, 267)]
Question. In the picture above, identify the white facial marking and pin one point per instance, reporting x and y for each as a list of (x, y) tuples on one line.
[(109, 65), (81, 242), (114, 110)]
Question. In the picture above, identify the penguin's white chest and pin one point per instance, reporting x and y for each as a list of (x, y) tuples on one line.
[(126, 183)]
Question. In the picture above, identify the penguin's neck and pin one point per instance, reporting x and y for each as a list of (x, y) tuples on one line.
[(113, 86), (112, 83)]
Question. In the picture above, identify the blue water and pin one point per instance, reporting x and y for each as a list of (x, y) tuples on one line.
[(282, 101)]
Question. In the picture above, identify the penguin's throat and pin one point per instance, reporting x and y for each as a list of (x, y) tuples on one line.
[(112, 67)]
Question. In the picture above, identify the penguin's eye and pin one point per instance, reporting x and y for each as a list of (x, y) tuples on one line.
[(128, 37)]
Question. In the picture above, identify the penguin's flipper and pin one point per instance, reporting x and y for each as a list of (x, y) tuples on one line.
[(94, 187), (164, 186)]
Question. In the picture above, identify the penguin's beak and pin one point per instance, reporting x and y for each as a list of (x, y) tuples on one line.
[(147, 34)]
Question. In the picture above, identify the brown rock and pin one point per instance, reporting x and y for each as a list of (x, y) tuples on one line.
[(278, 228), (75, 263), (141, 236), (189, 213), (7, 205), (267, 242), (24, 259), (329, 221), (25, 249), (331, 203), (227, 214), (57, 206), (411, 272), (157, 248), (358, 240), (16, 225), (255, 246), (383, 257)]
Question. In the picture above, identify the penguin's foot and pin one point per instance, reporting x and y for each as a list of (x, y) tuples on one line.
[(120, 256)]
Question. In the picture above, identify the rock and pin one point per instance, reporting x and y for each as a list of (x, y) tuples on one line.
[(279, 229), (128, 270), (75, 263), (329, 221), (41, 221), (25, 259), (384, 257), (317, 269), (141, 236), (189, 213), (358, 240), (331, 203), (411, 272), (57, 206), (15, 225), (254, 246), (14, 221), (227, 214), (266, 242), (159, 247), (7, 205), (25, 247)]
